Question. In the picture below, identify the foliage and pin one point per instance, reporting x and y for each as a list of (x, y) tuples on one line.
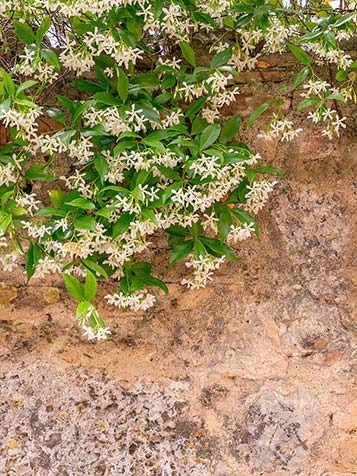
[(144, 150)]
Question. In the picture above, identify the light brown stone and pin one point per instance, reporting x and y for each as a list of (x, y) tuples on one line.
[(347, 421), (345, 454)]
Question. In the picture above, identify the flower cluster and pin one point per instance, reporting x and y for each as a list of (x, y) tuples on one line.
[(141, 147)]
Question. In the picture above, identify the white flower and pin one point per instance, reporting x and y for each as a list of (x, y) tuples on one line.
[(138, 301), (202, 269), (8, 174), (29, 202), (258, 195), (8, 261)]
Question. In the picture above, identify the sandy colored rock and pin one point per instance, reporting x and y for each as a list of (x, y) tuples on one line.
[(7, 294), (347, 420), (345, 454), (51, 295)]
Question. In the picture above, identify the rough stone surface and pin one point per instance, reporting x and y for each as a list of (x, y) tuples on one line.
[(253, 376)]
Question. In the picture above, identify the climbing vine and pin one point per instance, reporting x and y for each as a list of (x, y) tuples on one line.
[(145, 150)]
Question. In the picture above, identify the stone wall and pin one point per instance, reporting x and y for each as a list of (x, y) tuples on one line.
[(254, 375)]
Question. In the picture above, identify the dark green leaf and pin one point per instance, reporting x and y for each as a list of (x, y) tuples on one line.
[(307, 103), (230, 129), (86, 86), (195, 107), (300, 54), (57, 115), (221, 58), (51, 58), (123, 85), (218, 249), (81, 203), (209, 135), (32, 258), (42, 30), (24, 32), (85, 222), (101, 166), (121, 225), (36, 172), (303, 74), (225, 222), (180, 251), (258, 112), (151, 281), (74, 287), (188, 53), (90, 286)]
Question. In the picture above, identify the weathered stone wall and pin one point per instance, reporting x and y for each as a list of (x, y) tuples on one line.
[(254, 375)]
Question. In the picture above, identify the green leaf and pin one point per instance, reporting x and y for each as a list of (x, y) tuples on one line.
[(300, 54), (25, 85), (101, 166), (93, 266), (230, 129), (177, 230), (198, 249), (188, 53), (269, 170), (50, 57), (141, 268), (85, 222), (151, 281), (225, 222), (50, 212), (36, 172), (57, 115), (312, 35), (336, 97), (307, 103), (86, 86), (258, 112), (90, 286), (82, 308), (9, 85), (107, 99), (5, 220), (121, 225), (221, 58), (24, 32), (180, 251), (81, 203), (32, 258), (341, 75), (218, 249), (303, 74), (209, 135), (123, 85), (344, 19), (74, 287), (42, 30), (195, 107)]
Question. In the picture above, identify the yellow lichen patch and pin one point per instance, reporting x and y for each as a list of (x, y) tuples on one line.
[(51, 295), (7, 294)]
